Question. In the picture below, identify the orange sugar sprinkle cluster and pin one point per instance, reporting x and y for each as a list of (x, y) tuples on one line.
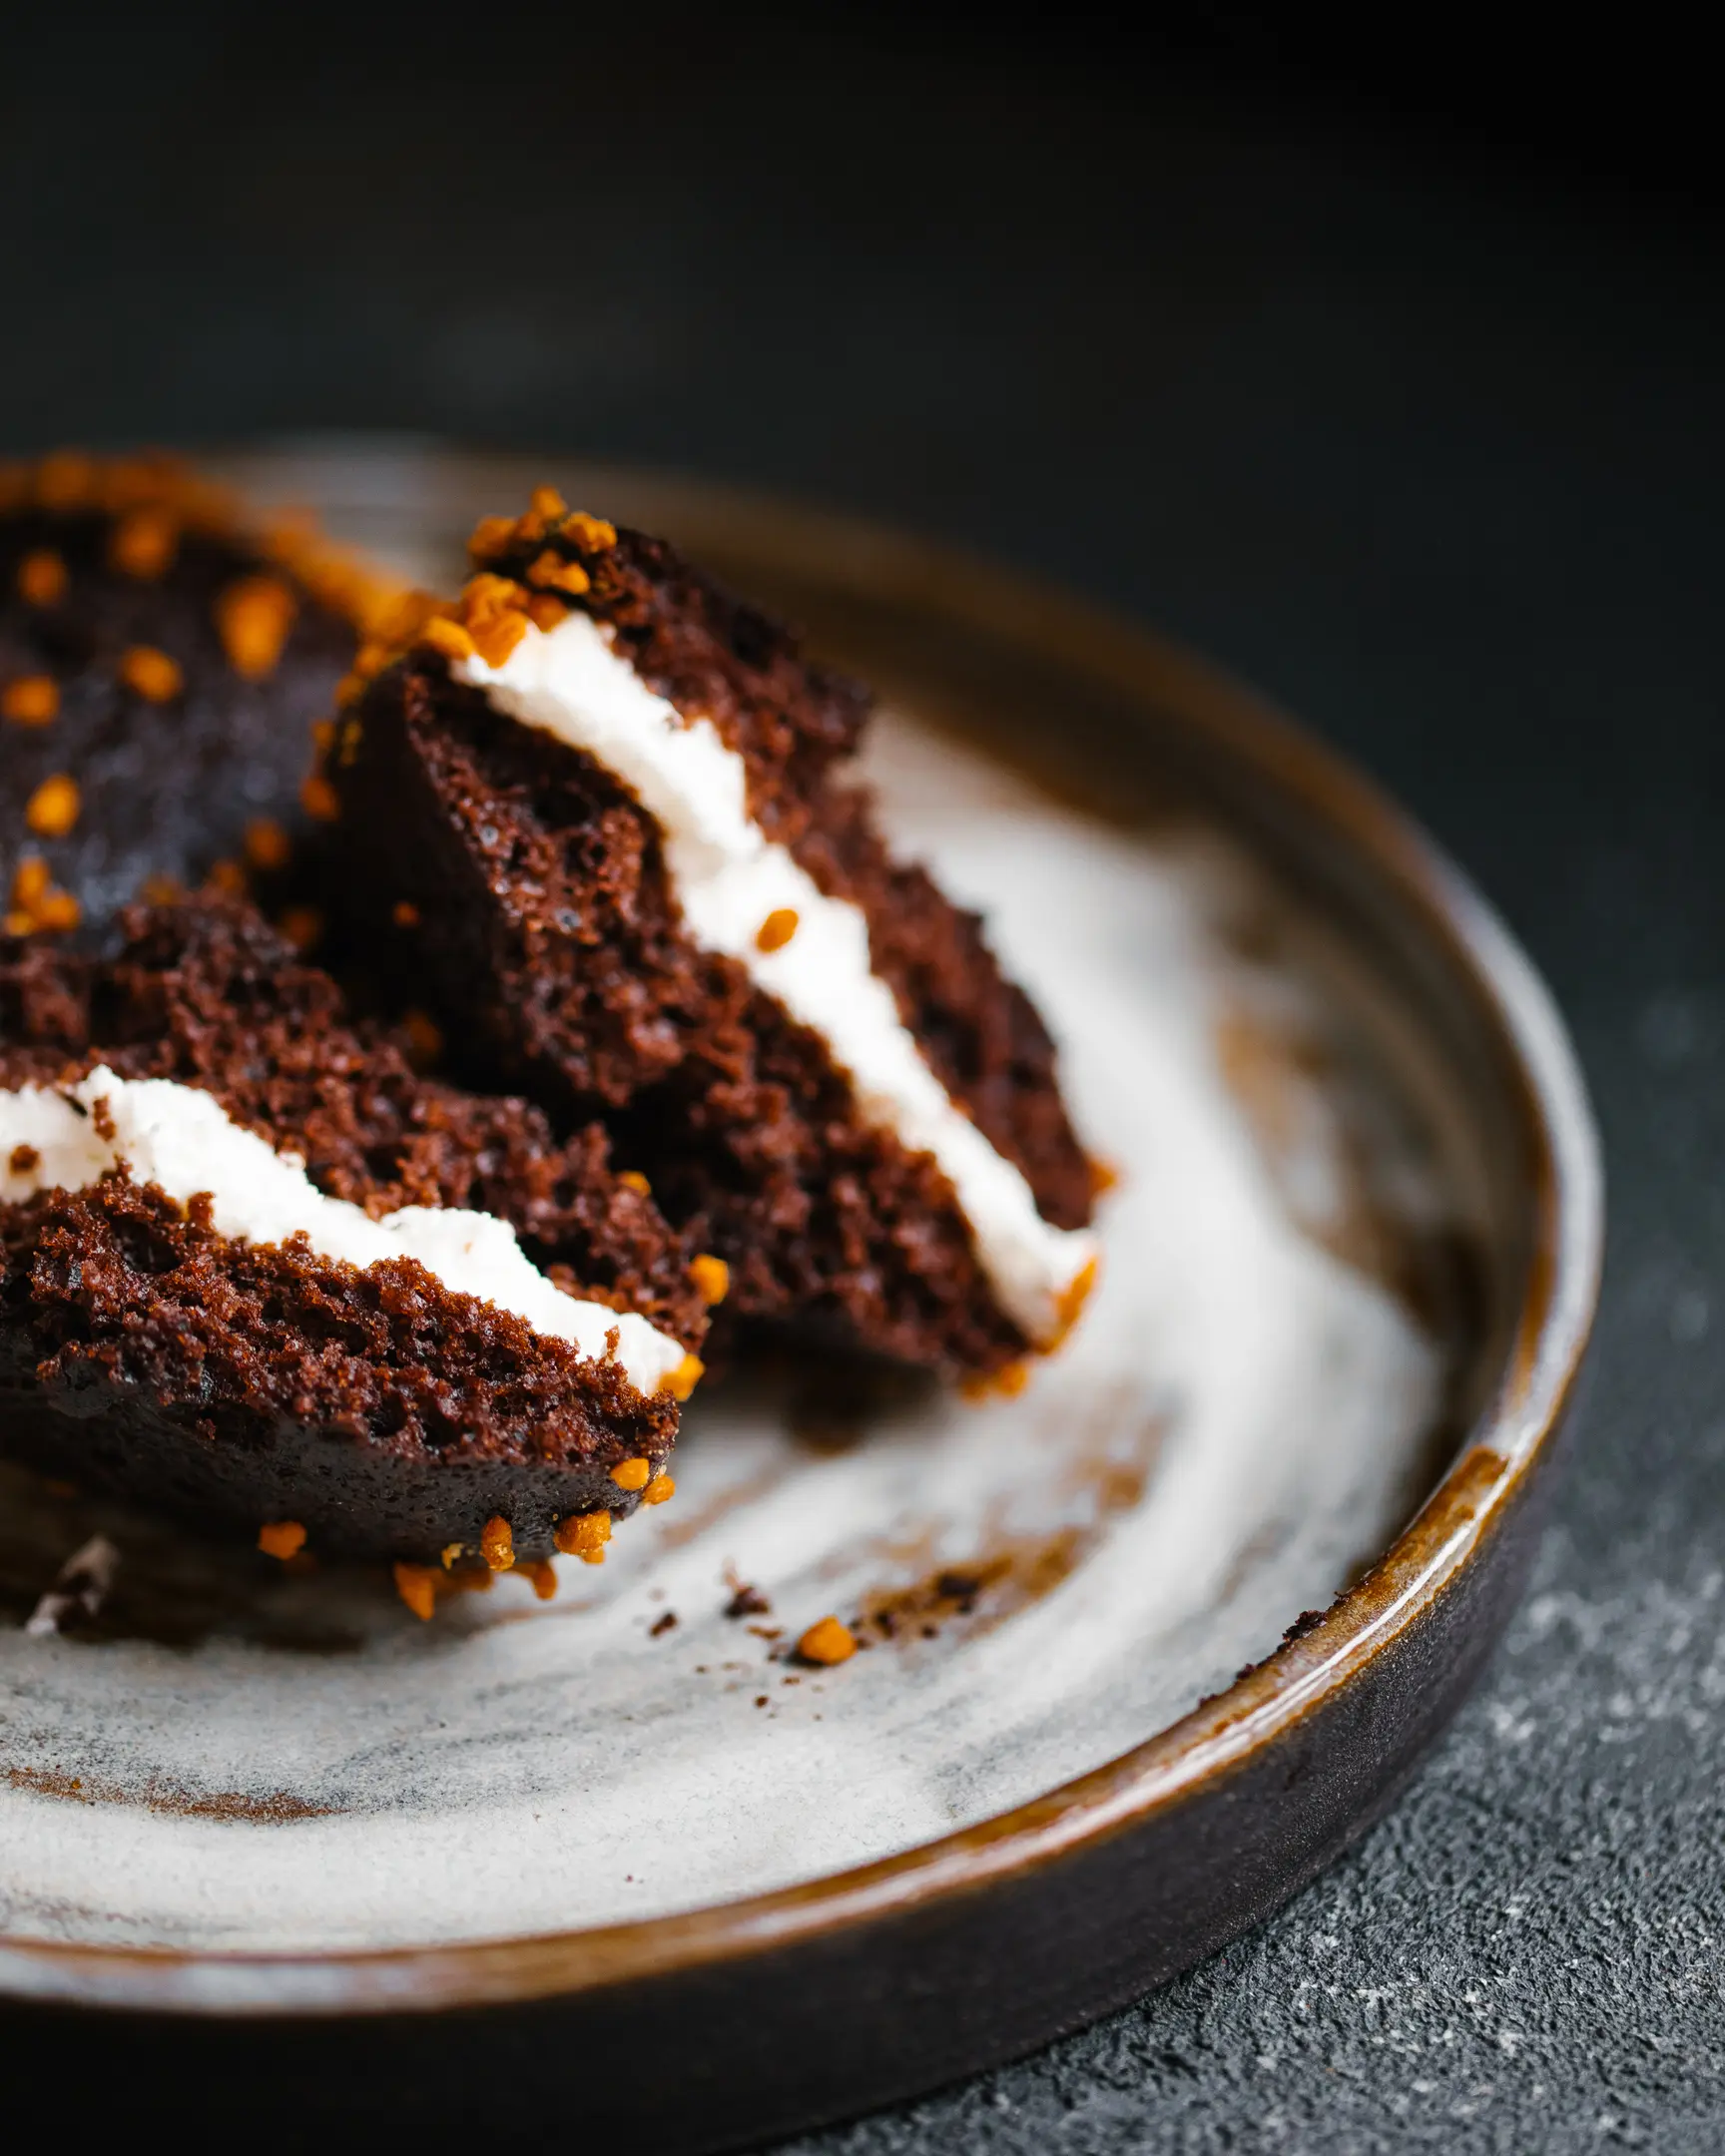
[(41, 578), (497, 1543), (52, 811), (492, 613), (151, 674), (584, 1535), (632, 1474), (633, 1180), (281, 1538), (31, 700), (660, 1490), (35, 901), (712, 1278)]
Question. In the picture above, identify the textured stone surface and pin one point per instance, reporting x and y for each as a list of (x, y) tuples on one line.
[(1432, 450)]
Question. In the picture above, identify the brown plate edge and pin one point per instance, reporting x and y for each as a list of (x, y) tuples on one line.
[(1458, 1520)]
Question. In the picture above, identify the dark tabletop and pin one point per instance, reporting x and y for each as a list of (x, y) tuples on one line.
[(1423, 436)]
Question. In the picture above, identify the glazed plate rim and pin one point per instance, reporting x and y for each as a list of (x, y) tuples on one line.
[(1423, 1564)]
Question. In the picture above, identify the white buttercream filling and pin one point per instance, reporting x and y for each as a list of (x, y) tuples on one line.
[(727, 877), (184, 1141)]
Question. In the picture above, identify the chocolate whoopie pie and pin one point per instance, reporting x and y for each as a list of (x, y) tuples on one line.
[(256, 1267), (162, 663), (605, 811)]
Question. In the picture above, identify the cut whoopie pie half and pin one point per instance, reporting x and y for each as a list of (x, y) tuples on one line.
[(607, 812), (258, 1269)]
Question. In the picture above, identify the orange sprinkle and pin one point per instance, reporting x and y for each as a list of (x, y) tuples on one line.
[(447, 637), (30, 883), (318, 799), (552, 573), (417, 1584), (828, 1642), (633, 1179), (590, 531), (632, 1474), (543, 1574), (404, 913), (1071, 1304), (448, 1554), (547, 502), (229, 876), (1005, 1384), (17, 925), (144, 544), (303, 926), (495, 638), (776, 929), (281, 1538), (424, 1035), (322, 735), (660, 1490), (712, 1278), (266, 843), (545, 610), (58, 909), (486, 594), (497, 1543), (151, 674), (253, 617), (31, 700), (52, 810), (1104, 1177), (41, 578), (682, 1380), (492, 535), (584, 1535)]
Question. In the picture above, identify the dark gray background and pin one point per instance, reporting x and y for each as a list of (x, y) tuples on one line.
[(1415, 422)]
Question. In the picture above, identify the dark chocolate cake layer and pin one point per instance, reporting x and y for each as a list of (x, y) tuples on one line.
[(144, 1355), (160, 668), (530, 894)]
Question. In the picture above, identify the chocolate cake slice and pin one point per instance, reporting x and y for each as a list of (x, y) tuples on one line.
[(161, 665), (258, 1269), (605, 810)]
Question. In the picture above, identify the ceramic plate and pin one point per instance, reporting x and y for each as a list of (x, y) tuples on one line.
[(1111, 1708)]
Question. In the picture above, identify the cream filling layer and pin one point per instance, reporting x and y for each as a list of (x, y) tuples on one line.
[(569, 682), (183, 1139)]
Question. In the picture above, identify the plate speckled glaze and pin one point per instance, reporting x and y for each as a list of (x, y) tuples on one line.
[(1146, 1645)]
